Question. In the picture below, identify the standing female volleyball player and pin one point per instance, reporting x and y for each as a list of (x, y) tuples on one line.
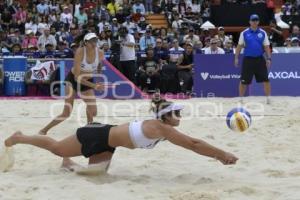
[(86, 61), (98, 141)]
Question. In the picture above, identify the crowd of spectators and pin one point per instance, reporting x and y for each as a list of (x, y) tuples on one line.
[(153, 58)]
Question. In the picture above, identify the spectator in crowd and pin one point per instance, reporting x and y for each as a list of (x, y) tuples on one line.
[(138, 6), (184, 67), (149, 76), (66, 17), (106, 49), (14, 37), (65, 50), (288, 42), (127, 53), (275, 35), (31, 49), (228, 47), (5, 18), (132, 27), (295, 32), (81, 17), (136, 16), (46, 38), (53, 17), (161, 53), (42, 8), (113, 7), (149, 6), (29, 39), (49, 50), (213, 48), (54, 5), (16, 49), (295, 42), (221, 35), (142, 25), (157, 9), (115, 27), (102, 39), (195, 5), (191, 36), (13, 8), (189, 15), (198, 47), (62, 34), (4, 45), (175, 52), (125, 9), (182, 7), (176, 24), (205, 10), (43, 22), (21, 14), (89, 4), (147, 40)]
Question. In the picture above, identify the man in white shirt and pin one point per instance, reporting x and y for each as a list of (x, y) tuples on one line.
[(127, 54), (176, 24), (66, 17), (46, 38), (175, 52), (221, 35), (214, 49), (191, 37)]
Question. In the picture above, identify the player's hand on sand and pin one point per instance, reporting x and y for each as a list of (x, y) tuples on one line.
[(236, 62), (99, 86), (228, 159)]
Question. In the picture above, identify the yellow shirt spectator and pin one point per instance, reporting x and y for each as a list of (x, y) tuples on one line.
[(113, 7)]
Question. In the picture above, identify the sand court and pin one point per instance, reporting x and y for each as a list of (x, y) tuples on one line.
[(268, 166)]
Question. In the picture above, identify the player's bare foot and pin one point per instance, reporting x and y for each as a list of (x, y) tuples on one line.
[(69, 164), (12, 140)]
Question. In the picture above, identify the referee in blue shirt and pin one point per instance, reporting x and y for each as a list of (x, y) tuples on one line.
[(255, 42)]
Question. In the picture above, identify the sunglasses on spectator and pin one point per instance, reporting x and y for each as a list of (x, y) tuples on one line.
[(158, 41)]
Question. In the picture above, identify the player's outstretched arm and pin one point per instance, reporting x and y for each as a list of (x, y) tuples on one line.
[(199, 146)]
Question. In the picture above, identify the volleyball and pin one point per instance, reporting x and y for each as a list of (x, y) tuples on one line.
[(238, 119)]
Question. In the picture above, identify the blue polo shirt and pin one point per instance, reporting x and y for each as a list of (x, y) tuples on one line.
[(254, 42)]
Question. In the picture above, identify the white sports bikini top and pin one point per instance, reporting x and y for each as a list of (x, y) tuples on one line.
[(85, 66), (138, 138)]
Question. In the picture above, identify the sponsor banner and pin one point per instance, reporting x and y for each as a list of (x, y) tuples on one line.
[(216, 76), (284, 76), (14, 72)]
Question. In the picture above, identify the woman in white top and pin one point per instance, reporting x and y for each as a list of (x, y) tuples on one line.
[(98, 141), (87, 60)]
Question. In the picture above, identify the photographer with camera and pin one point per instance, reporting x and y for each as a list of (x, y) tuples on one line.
[(148, 72), (127, 53)]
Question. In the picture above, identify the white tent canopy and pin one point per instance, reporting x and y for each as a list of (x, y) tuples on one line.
[(208, 25)]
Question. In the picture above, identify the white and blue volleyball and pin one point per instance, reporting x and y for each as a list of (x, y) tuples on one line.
[(238, 119)]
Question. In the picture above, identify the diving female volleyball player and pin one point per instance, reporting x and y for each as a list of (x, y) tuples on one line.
[(98, 141)]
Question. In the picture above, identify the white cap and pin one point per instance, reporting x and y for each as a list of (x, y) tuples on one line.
[(89, 36), (28, 31)]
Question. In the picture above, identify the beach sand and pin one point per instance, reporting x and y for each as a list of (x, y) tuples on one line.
[(268, 166)]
